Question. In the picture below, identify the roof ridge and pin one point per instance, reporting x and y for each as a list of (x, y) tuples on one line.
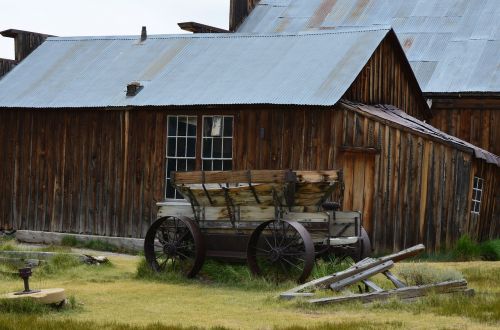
[(234, 35)]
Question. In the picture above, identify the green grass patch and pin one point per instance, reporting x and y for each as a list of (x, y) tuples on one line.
[(466, 249), (237, 275), (98, 245), (481, 307), (419, 274), (18, 322)]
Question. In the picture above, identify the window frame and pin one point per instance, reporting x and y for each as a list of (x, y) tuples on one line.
[(176, 157), (213, 159), (199, 147), (477, 194)]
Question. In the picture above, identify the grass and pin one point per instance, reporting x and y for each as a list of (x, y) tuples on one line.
[(127, 295), (466, 250), (98, 245)]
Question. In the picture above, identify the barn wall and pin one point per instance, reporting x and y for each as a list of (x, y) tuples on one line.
[(101, 172), (414, 190), (92, 172), (388, 79), (6, 65), (475, 120)]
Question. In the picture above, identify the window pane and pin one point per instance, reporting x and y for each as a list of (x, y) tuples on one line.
[(217, 148), (191, 126), (172, 126), (170, 190), (171, 147), (207, 126), (228, 165), (191, 147), (181, 147), (228, 148), (170, 167), (217, 165), (181, 164), (228, 126), (207, 148), (207, 165), (182, 126), (479, 195), (191, 164)]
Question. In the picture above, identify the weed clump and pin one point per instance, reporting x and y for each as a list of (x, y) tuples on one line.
[(417, 274), (23, 306), (98, 245)]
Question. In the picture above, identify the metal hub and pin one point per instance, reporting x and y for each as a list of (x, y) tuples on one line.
[(276, 254), (170, 249)]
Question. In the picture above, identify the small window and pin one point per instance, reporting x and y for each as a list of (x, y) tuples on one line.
[(217, 146), (181, 148), (477, 194)]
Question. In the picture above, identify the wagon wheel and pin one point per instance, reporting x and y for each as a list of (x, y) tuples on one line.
[(175, 243), (365, 246), (283, 249)]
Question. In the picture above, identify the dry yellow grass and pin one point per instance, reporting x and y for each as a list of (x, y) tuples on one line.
[(113, 294)]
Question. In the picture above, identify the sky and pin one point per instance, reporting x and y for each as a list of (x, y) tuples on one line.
[(106, 17)]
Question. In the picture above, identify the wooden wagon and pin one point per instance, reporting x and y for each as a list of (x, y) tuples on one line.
[(279, 221)]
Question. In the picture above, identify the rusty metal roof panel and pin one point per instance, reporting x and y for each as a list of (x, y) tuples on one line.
[(303, 69), (392, 114), (427, 29)]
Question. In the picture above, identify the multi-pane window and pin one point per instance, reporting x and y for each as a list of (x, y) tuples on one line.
[(181, 148), (477, 193), (217, 147)]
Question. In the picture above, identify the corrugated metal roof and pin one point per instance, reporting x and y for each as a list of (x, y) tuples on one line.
[(303, 69), (445, 32), (392, 114)]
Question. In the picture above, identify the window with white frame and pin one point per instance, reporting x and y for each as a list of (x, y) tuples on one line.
[(477, 194), (181, 148), (217, 147)]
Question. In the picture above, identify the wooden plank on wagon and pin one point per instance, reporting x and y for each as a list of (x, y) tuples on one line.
[(402, 293), (256, 176)]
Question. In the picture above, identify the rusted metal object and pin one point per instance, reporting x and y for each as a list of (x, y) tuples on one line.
[(25, 274), (175, 243), (284, 247)]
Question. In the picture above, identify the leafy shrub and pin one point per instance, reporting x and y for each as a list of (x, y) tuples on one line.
[(466, 249), (490, 250)]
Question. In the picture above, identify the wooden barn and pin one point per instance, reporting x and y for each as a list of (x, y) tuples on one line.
[(90, 137), (24, 43), (452, 46)]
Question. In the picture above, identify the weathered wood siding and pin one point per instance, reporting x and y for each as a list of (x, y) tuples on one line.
[(414, 190), (92, 172), (26, 42), (476, 120), (6, 65), (388, 79), (101, 172)]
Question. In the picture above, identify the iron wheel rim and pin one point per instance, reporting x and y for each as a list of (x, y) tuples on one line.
[(175, 244), (281, 249)]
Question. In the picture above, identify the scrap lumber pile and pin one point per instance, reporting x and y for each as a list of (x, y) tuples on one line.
[(361, 272)]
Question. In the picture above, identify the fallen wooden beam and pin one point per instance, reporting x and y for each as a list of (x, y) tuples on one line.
[(340, 284), (401, 293), (404, 254), (325, 281)]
